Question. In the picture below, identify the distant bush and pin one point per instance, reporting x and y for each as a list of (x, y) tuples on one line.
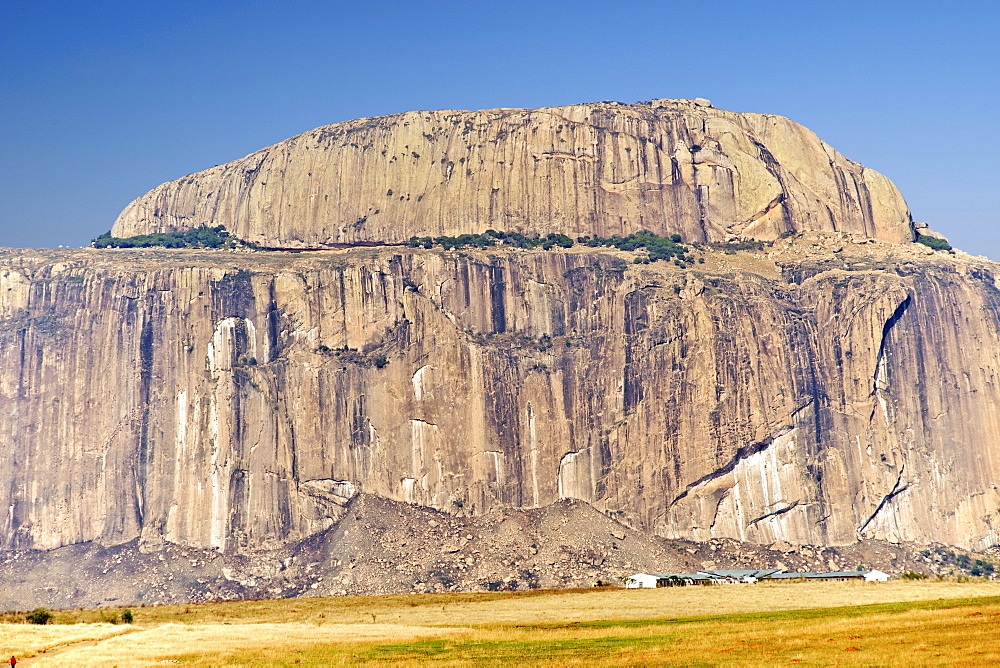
[(198, 237), (981, 568), (933, 242), (127, 616), (735, 245), (911, 575), (353, 356), (943, 556), (491, 238), (39, 616), (655, 246), (110, 617)]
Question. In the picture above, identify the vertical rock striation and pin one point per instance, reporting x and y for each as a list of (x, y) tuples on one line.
[(670, 166), (239, 401)]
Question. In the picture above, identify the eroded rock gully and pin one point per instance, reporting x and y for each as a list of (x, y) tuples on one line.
[(239, 402), (182, 425)]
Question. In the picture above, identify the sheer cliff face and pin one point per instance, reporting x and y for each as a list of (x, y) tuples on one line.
[(231, 401), (669, 166)]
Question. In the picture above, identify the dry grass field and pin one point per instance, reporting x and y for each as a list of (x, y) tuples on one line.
[(846, 623)]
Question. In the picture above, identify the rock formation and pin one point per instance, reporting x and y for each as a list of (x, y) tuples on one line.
[(836, 385), (670, 166), (235, 401), (389, 547)]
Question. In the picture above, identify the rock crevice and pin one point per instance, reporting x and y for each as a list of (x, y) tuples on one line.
[(693, 404), (670, 166)]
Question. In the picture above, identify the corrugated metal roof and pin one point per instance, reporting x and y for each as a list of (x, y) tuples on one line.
[(830, 574), (753, 573), (760, 574)]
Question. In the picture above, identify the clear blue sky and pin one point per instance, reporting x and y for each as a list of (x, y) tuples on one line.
[(101, 101)]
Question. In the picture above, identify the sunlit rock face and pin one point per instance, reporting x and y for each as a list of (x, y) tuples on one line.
[(815, 391), (840, 383), (670, 166)]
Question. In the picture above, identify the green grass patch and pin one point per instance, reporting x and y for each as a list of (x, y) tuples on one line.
[(919, 633), (513, 651), (839, 612)]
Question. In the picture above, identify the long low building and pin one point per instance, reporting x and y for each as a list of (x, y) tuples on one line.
[(867, 576), (652, 580)]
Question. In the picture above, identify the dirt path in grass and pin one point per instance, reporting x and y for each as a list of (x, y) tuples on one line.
[(32, 645), (181, 642)]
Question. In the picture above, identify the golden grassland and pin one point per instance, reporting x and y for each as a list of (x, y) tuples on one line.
[(839, 623)]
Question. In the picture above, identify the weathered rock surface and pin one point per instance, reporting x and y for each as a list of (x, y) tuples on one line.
[(239, 401), (670, 166), (191, 424), (389, 547), (380, 547)]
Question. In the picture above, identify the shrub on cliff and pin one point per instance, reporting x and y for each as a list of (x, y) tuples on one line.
[(353, 356), (491, 238), (933, 242), (199, 237), (656, 247), (736, 245)]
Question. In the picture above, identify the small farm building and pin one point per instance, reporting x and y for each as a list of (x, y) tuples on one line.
[(648, 580), (750, 576), (644, 580), (867, 576)]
